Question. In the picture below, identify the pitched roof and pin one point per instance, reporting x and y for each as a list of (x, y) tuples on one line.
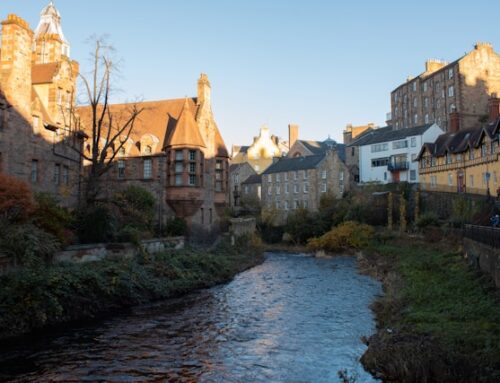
[(253, 179), (320, 147), (43, 73), (285, 164), (220, 146), (185, 132), (387, 134)]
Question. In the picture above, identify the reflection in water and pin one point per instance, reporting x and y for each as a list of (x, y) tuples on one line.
[(291, 319)]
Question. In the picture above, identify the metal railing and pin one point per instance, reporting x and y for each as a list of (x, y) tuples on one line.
[(488, 235), (403, 165)]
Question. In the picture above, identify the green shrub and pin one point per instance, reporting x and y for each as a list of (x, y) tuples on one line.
[(426, 220), (347, 235), (176, 227), (302, 225), (52, 218), (95, 224)]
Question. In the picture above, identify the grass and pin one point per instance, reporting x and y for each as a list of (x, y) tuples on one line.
[(432, 292), (34, 298)]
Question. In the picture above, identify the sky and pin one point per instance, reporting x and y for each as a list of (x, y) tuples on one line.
[(316, 63)]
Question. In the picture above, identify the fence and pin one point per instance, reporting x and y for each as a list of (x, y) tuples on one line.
[(487, 235)]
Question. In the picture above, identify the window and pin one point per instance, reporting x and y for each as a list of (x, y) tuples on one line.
[(34, 171), (278, 177), (219, 176), (192, 169), (353, 152), (305, 204), (121, 151), (286, 188), (323, 188), (341, 189), (278, 189), (471, 180), (286, 176), (415, 118), (269, 178), (57, 174), (400, 144), (295, 175), (433, 181), (341, 176), (458, 157), (378, 162), (178, 180), (484, 150), (485, 178), (413, 175), (414, 86), (425, 87), (413, 157), (270, 190), (65, 175), (323, 174), (148, 149), (426, 119), (306, 187), (121, 169), (285, 205), (192, 180), (449, 158), (192, 155), (450, 179), (450, 73), (295, 203), (178, 167), (413, 142), (179, 155), (246, 189), (385, 176), (415, 102), (36, 124), (295, 188), (305, 174), (277, 204), (148, 168), (379, 147), (471, 153), (451, 91)]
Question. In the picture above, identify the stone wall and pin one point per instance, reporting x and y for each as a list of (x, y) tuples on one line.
[(242, 226), (483, 257), (100, 251)]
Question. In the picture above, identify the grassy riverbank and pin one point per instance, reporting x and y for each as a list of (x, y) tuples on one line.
[(438, 321), (34, 298)]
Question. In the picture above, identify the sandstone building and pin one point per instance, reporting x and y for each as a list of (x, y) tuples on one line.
[(176, 151), (465, 161), (37, 87), (462, 86), (238, 173)]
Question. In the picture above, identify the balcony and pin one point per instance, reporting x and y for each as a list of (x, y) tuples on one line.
[(397, 166)]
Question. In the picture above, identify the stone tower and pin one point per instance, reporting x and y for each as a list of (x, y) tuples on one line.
[(15, 63)]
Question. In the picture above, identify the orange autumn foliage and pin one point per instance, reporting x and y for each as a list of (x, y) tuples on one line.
[(16, 199)]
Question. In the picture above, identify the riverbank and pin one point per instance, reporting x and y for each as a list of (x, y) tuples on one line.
[(31, 299), (438, 321)]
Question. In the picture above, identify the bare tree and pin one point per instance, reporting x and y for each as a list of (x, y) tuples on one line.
[(107, 130)]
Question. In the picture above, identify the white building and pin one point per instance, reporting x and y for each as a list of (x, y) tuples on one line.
[(387, 155)]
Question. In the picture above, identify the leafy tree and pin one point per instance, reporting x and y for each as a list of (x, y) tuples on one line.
[(16, 200)]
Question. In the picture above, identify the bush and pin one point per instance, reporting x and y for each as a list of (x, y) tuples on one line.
[(26, 244), (426, 220), (95, 224), (347, 235), (302, 225), (136, 207), (53, 218), (176, 227), (16, 200)]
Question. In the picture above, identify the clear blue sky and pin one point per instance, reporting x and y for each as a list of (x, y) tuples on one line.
[(321, 64)]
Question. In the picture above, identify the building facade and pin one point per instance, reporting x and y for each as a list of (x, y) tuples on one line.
[(237, 174), (388, 155), (261, 152), (300, 182), (37, 87), (462, 86), (467, 161), (175, 150)]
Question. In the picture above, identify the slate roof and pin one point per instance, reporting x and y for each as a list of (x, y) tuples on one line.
[(320, 147), (387, 134), (253, 179), (297, 163), (461, 141)]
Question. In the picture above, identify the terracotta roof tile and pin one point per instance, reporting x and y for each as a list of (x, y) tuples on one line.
[(186, 131)]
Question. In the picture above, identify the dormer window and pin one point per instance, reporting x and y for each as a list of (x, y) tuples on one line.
[(121, 151), (148, 149)]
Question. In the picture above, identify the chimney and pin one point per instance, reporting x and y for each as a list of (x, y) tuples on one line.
[(494, 107), (293, 134), (454, 121), (348, 134), (203, 90)]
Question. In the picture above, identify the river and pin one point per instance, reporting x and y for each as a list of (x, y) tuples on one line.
[(291, 319)]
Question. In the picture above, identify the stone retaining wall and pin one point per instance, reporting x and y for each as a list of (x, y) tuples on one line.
[(242, 226), (484, 257)]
